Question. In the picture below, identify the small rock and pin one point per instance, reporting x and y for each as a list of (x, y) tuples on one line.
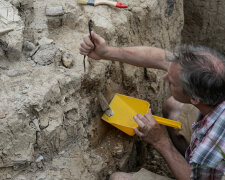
[(5, 31), (3, 66), (44, 123), (54, 11), (36, 124), (37, 96), (4, 152), (28, 46), (62, 152), (62, 70), (8, 176), (2, 115), (27, 85), (40, 158), (18, 96), (53, 168), (20, 177), (47, 54), (45, 41), (67, 60), (20, 161), (16, 72), (118, 151), (42, 176), (40, 165)]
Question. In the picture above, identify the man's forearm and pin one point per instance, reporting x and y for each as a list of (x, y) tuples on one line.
[(150, 57), (178, 165)]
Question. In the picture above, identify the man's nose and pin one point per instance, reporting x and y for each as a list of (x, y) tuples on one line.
[(165, 77)]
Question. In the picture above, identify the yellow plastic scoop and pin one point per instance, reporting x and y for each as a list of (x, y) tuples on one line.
[(125, 108)]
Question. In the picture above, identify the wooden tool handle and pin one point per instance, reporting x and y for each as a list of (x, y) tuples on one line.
[(103, 102), (105, 2)]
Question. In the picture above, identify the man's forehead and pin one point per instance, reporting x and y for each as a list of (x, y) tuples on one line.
[(174, 67), (174, 72)]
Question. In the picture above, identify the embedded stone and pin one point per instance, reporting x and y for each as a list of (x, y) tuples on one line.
[(2, 115), (54, 11), (67, 60)]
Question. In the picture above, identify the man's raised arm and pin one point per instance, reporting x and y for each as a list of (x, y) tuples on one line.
[(149, 57)]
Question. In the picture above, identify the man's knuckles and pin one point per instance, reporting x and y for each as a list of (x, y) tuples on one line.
[(147, 116), (139, 116), (142, 118), (139, 133)]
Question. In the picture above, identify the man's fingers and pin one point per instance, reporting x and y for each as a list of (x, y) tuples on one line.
[(143, 118), (151, 119), (140, 134), (83, 53), (149, 116), (139, 122), (150, 111), (88, 42), (83, 50), (85, 45)]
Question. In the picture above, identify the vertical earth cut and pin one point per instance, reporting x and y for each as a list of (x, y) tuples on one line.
[(50, 117), (204, 23)]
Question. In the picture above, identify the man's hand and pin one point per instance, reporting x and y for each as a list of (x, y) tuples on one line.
[(150, 130), (95, 49)]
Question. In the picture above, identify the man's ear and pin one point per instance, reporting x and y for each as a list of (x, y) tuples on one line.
[(195, 101)]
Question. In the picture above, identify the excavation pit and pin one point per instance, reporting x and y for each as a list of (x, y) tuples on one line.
[(50, 117)]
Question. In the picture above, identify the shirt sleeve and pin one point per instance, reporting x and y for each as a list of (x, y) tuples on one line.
[(201, 172)]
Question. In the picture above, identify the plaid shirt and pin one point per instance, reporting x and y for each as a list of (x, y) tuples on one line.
[(203, 155)]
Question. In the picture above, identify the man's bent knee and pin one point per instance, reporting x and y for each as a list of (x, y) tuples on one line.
[(171, 108), (120, 176)]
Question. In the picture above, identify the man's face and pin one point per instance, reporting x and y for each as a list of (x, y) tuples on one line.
[(173, 78)]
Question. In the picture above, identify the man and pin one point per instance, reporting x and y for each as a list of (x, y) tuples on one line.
[(196, 75)]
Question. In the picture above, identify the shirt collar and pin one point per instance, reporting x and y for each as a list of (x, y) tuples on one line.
[(203, 124)]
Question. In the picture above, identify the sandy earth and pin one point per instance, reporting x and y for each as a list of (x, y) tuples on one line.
[(50, 117)]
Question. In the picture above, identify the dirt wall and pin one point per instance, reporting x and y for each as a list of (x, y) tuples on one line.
[(50, 125), (204, 23)]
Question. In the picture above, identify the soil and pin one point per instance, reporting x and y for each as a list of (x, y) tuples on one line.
[(50, 117)]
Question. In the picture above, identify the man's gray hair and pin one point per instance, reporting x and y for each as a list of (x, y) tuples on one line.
[(202, 73)]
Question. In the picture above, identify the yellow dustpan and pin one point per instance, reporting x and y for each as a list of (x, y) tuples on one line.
[(125, 108)]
